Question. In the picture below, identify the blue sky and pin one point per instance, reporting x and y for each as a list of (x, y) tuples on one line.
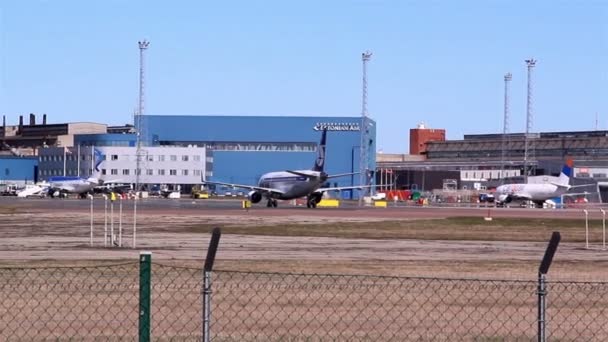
[(441, 62)]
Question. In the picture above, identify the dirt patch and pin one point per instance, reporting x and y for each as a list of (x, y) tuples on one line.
[(454, 246)]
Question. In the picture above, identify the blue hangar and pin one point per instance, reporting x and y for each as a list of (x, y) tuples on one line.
[(239, 149)]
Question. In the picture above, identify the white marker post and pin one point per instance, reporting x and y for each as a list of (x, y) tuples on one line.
[(603, 229), (134, 219), (105, 221), (91, 197), (120, 223), (586, 228), (111, 223)]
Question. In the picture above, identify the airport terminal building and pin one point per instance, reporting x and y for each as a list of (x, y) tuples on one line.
[(232, 149), (242, 148), (175, 167)]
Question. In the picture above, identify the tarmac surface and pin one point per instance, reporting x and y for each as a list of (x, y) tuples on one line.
[(347, 208)]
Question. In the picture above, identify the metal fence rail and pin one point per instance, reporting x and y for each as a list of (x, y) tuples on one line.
[(288, 307)]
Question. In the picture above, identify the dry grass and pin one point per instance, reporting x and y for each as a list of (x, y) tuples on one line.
[(453, 228)]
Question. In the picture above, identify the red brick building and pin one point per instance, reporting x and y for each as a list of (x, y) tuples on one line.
[(420, 135)]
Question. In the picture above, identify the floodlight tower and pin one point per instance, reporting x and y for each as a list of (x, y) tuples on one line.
[(528, 148), (143, 45), (364, 146), (505, 127)]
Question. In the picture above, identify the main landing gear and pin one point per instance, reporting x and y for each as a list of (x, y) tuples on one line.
[(272, 203), (313, 200), (311, 203)]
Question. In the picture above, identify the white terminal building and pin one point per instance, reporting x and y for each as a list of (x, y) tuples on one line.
[(176, 167)]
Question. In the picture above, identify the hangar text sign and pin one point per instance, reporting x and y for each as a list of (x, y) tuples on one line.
[(336, 126)]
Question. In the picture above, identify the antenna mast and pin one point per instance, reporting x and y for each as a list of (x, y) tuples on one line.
[(528, 146), (505, 128), (139, 122), (364, 145)]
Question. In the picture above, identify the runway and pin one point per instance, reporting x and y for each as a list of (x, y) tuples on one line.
[(230, 206)]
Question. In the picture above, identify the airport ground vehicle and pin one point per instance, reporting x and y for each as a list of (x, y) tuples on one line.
[(200, 193)]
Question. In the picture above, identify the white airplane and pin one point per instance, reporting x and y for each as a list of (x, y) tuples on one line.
[(78, 185), (59, 185), (537, 193), (33, 190), (287, 185)]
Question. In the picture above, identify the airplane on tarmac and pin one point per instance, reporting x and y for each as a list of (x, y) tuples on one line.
[(537, 193), (38, 189), (62, 185), (287, 185)]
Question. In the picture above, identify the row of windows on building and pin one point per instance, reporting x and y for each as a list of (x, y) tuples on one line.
[(69, 157), (124, 172), (247, 146), (152, 172), (286, 147), (68, 172), (160, 158), (489, 174), (124, 143)]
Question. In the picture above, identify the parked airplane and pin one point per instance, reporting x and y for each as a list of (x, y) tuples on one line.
[(287, 185), (37, 189), (59, 185), (537, 193)]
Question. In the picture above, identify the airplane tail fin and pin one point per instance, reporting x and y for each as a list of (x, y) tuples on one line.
[(567, 169), (98, 158), (320, 162)]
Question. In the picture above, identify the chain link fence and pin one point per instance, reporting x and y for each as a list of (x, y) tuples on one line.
[(577, 311), (289, 307), (177, 301), (105, 303), (77, 303), (292, 307)]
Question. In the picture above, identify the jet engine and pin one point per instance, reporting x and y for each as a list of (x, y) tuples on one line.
[(504, 198), (255, 196)]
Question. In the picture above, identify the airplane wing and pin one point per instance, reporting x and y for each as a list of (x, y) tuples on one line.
[(343, 174), (580, 186), (301, 174), (113, 181), (66, 188), (250, 187), (560, 185), (358, 187), (328, 177), (521, 197)]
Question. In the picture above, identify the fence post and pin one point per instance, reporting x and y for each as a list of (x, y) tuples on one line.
[(603, 229), (542, 285), (145, 270), (215, 240), (91, 198), (586, 228), (105, 221)]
